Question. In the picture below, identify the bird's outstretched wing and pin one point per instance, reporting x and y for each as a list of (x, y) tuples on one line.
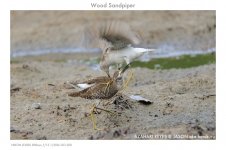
[(116, 35), (110, 36)]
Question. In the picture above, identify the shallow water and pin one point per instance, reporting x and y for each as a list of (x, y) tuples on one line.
[(38, 52), (162, 52)]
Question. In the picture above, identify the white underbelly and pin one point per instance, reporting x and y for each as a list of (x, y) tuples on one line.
[(119, 56), (116, 58)]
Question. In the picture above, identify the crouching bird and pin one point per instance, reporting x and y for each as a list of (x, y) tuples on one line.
[(103, 87)]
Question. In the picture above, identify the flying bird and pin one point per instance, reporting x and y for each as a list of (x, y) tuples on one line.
[(119, 45)]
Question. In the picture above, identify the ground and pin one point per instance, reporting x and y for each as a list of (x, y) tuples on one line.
[(183, 103)]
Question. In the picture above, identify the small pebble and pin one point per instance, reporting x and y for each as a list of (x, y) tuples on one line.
[(36, 105)]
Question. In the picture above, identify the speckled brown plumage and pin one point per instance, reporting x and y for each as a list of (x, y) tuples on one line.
[(103, 87)]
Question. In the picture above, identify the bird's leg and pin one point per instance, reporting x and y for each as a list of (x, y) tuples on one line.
[(127, 60), (108, 111), (128, 63), (93, 118), (119, 66), (108, 73)]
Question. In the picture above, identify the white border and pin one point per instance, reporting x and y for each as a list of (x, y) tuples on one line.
[(140, 5)]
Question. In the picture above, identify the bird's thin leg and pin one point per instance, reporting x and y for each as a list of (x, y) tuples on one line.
[(126, 60), (119, 66), (93, 118), (108, 111), (108, 73)]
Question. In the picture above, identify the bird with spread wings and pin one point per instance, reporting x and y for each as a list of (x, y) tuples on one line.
[(119, 44)]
